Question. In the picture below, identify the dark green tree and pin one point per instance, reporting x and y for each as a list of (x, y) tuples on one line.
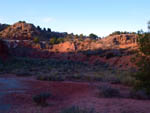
[(115, 33), (142, 61), (49, 30), (44, 29), (93, 36), (39, 28), (36, 40), (60, 40), (53, 41), (149, 26)]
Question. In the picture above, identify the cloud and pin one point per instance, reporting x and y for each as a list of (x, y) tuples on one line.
[(47, 20), (1, 20)]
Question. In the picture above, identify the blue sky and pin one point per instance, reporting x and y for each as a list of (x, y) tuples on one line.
[(79, 16)]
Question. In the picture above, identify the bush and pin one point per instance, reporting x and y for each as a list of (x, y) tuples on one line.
[(36, 40), (109, 55), (121, 32), (128, 80), (40, 99), (54, 40), (93, 36), (51, 78), (143, 63), (76, 109), (23, 73), (140, 94), (109, 92), (60, 40)]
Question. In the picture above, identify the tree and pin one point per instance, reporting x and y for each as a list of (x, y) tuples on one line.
[(81, 37), (93, 36), (149, 26), (60, 40), (39, 28), (44, 29), (143, 63), (140, 32), (115, 33), (69, 37), (53, 41), (36, 40), (49, 30), (76, 37)]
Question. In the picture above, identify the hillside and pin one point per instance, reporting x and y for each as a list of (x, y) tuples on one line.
[(92, 70), (103, 51), (26, 31), (20, 30), (3, 26), (113, 50)]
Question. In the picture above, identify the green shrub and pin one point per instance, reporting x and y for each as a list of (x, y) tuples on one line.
[(93, 36), (109, 92), (76, 77), (41, 99), (51, 78), (110, 55), (140, 94), (23, 73), (128, 80), (142, 61), (36, 40), (60, 40), (54, 40)]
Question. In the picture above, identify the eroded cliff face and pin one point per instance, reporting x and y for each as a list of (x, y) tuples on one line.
[(114, 50), (20, 30)]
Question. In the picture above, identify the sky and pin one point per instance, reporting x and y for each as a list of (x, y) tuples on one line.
[(101, 17)]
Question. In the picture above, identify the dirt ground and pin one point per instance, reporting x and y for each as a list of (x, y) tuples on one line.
[(16, 97)]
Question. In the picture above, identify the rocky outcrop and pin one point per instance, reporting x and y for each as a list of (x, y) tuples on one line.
[(103, 51), (115, 50), (124, 39), (26, 31), (3, 26), (112, 44), (20, 30)]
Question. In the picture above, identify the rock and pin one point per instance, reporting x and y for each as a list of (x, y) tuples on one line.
[(20, 30)]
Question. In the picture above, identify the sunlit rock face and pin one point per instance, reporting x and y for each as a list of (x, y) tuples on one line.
[(20, 30), (114, 50)]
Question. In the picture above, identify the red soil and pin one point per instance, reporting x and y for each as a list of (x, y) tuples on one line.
[(66, 94)]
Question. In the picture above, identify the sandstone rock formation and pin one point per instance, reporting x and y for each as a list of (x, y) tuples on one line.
[(103, 51), (3, 26), (115, 50), (25, 31), (20, 30)]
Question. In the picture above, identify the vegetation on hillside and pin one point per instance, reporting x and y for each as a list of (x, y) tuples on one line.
[(54, 40), (143, 63), (3, 26), (121, 32)]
